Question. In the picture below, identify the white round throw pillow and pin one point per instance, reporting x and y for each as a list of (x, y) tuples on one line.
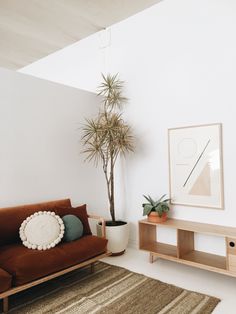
[(42, 230)]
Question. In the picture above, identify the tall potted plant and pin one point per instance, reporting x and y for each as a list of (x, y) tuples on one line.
[(105, 137)]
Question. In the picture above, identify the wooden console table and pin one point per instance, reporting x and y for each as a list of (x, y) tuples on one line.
[(184, 251)]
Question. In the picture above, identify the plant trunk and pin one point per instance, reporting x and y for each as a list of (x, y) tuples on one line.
[(112, 197), (110, 187)]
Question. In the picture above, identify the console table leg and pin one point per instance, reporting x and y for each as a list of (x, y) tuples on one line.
[(5, 305), (152, 258)]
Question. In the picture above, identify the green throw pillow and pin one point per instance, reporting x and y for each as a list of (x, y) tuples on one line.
[(73, 228)]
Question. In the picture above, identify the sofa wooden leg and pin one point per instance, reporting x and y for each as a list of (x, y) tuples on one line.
[(92, 268), (5, 305)]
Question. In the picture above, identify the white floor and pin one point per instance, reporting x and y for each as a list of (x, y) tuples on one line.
[(220, 286)]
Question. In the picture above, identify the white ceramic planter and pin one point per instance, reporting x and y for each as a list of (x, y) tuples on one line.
[(118, 237)]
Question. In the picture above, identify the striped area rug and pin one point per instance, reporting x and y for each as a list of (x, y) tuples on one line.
[(110, 290)]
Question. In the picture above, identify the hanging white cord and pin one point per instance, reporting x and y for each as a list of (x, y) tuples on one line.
[(104, 45)]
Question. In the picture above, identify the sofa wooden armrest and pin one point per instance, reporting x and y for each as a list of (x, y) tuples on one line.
[(102, 220)]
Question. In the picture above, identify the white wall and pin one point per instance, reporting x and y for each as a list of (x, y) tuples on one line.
[(178, 61), (40, 146)]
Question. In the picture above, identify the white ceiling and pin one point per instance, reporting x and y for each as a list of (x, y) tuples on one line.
[(32, 29)]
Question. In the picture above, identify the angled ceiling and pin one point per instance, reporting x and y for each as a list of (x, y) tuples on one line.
[(32, 29)]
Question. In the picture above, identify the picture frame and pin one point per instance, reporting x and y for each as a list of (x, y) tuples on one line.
[(196, 166)]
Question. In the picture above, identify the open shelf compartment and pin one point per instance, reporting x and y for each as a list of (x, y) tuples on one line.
[(148, 242), (187, 252)]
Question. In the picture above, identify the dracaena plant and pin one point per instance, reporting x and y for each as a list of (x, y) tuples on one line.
[(160, 206), (107, 135)]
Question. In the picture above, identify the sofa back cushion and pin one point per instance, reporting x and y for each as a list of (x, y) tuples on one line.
[(80, 212), (12, 217)]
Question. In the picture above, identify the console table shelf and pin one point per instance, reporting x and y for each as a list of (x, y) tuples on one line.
[(161, 248), (184, 252)]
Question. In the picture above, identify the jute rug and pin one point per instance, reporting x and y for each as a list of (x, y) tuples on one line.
[(110, 290)]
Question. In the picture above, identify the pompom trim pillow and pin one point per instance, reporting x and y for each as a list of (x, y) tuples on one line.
[(42, 231)]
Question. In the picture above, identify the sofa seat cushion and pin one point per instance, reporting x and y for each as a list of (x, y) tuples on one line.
[(26, 265), (5, 280)]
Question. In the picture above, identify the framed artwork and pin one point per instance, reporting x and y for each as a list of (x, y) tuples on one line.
[(195, 166)]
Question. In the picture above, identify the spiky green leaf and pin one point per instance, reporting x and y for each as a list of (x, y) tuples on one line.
[(147, 209)]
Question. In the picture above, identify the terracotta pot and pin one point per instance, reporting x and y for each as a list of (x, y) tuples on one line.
[(153, 217)]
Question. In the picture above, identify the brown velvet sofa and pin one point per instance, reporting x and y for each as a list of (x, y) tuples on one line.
[(22, 268)]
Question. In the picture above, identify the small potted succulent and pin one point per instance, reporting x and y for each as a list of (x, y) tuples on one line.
[(156, 210)]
